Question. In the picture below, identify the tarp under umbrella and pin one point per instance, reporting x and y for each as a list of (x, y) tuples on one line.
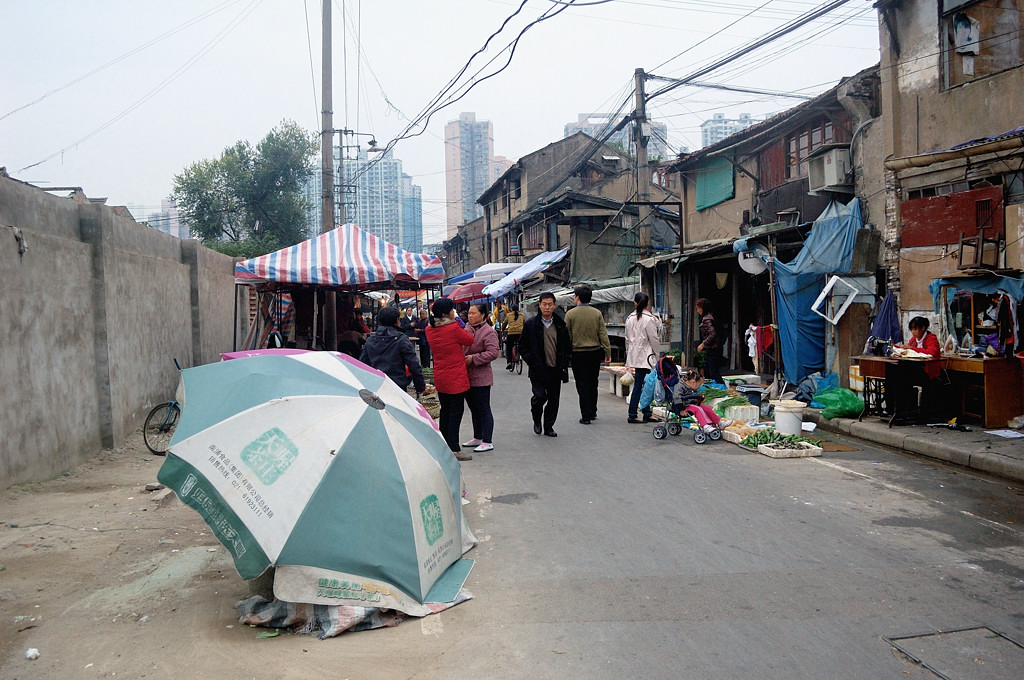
[(325, 468)]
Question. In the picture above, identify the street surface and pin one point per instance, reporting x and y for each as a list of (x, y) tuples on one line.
[(603, 554)]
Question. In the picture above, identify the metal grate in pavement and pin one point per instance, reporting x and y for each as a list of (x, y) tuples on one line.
[(975, 653)]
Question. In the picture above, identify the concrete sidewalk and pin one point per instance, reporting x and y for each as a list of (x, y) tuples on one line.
[(975, 450)]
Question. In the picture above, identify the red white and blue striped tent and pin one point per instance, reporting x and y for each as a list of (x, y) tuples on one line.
[(346, 257)]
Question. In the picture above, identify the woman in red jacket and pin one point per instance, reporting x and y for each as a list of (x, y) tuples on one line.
[(446, 339)]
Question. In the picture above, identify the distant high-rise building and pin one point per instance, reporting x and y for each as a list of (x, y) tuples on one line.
[(378, 198), (719, 127), (596, 124), (168, 220), (468, 153), (412, 215)]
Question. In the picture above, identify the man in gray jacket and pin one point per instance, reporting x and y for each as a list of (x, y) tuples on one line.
[(389, 350)]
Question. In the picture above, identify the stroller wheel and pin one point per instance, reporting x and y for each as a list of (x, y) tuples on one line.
[(674, 429), (700, 436), (715, 434), (659, 432)]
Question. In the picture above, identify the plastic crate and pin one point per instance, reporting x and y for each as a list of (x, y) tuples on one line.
[(784, 450)]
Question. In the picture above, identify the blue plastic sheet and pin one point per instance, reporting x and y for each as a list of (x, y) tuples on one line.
[(827, 250), (887, 321)]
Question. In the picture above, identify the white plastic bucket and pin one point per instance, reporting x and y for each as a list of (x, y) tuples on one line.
[(789, 416)]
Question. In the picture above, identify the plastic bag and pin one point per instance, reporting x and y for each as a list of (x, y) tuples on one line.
[(647, 395), (626, 379), (839, 402)]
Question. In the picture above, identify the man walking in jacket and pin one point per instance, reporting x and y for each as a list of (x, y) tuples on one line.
[(590, 348), (544, 347), (388, 349)]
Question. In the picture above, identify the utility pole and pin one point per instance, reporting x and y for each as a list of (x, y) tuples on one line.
[(327, 169), (641, 131)]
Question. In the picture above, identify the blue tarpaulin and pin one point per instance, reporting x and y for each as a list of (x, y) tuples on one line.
[(887, 321), (827, 250)]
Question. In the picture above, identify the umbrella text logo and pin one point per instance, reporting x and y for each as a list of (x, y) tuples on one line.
[(270, 455), (433, 523)]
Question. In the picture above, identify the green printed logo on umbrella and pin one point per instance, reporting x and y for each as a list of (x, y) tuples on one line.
[(270, 455), (433, 523)]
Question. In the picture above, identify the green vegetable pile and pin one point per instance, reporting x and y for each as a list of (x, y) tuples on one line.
[(770, 436), (722, 406), (714, 393)]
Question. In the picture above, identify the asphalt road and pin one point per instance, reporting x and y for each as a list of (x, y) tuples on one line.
[(603, 554), (607, 554)]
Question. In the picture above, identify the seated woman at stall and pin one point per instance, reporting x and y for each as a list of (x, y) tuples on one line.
[(924, 341), (920, 393)]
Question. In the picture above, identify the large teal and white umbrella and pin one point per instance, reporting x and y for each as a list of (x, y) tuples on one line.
[(323, 467)]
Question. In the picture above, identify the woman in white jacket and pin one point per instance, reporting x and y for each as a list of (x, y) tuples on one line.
[(642, 341)]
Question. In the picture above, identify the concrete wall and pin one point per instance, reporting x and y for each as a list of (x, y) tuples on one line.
[(94, 311)]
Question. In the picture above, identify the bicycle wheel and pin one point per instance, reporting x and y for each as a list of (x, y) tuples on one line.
[(159, 427), (519, 364)]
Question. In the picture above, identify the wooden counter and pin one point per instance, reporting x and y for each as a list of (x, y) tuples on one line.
[(989, 390)]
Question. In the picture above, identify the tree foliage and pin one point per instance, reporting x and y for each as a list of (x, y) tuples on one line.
[(249, 200)]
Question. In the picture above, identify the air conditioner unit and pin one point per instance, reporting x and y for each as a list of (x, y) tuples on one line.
[(827, 168)]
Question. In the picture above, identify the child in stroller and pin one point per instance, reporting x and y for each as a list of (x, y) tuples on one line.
[(687, 400), (679, 417)]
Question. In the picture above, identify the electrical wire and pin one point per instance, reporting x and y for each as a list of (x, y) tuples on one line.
[(312, 70), (163, 36), (249, 9)]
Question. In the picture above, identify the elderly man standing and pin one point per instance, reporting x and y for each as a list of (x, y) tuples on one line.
[(590, 347)]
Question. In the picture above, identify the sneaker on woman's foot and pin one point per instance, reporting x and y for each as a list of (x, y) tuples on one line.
[(484, 446), (709, 428), (473, 442), (724, 423)]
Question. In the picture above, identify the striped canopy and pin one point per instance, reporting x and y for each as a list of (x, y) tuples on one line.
[(346, 257)]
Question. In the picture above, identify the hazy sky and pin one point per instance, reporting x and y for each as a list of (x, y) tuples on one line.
[(119, 96)]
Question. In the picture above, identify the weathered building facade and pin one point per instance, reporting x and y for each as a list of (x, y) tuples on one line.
[(767, 184), (951, 82)]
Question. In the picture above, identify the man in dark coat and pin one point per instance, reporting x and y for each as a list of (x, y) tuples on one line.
[(545, 347), (389, 350)]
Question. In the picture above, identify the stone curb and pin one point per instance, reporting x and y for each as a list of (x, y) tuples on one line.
[(975, 453)]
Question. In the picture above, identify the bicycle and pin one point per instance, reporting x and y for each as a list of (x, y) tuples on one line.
[(160, 424), (516, 364)]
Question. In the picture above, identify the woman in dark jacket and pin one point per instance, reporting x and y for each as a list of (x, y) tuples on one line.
[(451, 379), (710, 340)]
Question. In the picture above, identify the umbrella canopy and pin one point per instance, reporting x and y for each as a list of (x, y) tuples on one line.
[(325, 468), (346, 257), (468, 292)]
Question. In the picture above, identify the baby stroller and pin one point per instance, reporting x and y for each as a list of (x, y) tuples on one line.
[(676, 420)]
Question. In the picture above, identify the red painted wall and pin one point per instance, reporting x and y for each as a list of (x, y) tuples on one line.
[(939, 220)]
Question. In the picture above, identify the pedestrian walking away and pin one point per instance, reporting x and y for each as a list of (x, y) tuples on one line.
[(481, 353), (513, 327), (447, 338), (642, 342), (388, 350), (546, 349), (590, 348), (710, 340)]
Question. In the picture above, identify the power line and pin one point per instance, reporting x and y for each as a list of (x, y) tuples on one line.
[(132, 52), (249, 9)]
